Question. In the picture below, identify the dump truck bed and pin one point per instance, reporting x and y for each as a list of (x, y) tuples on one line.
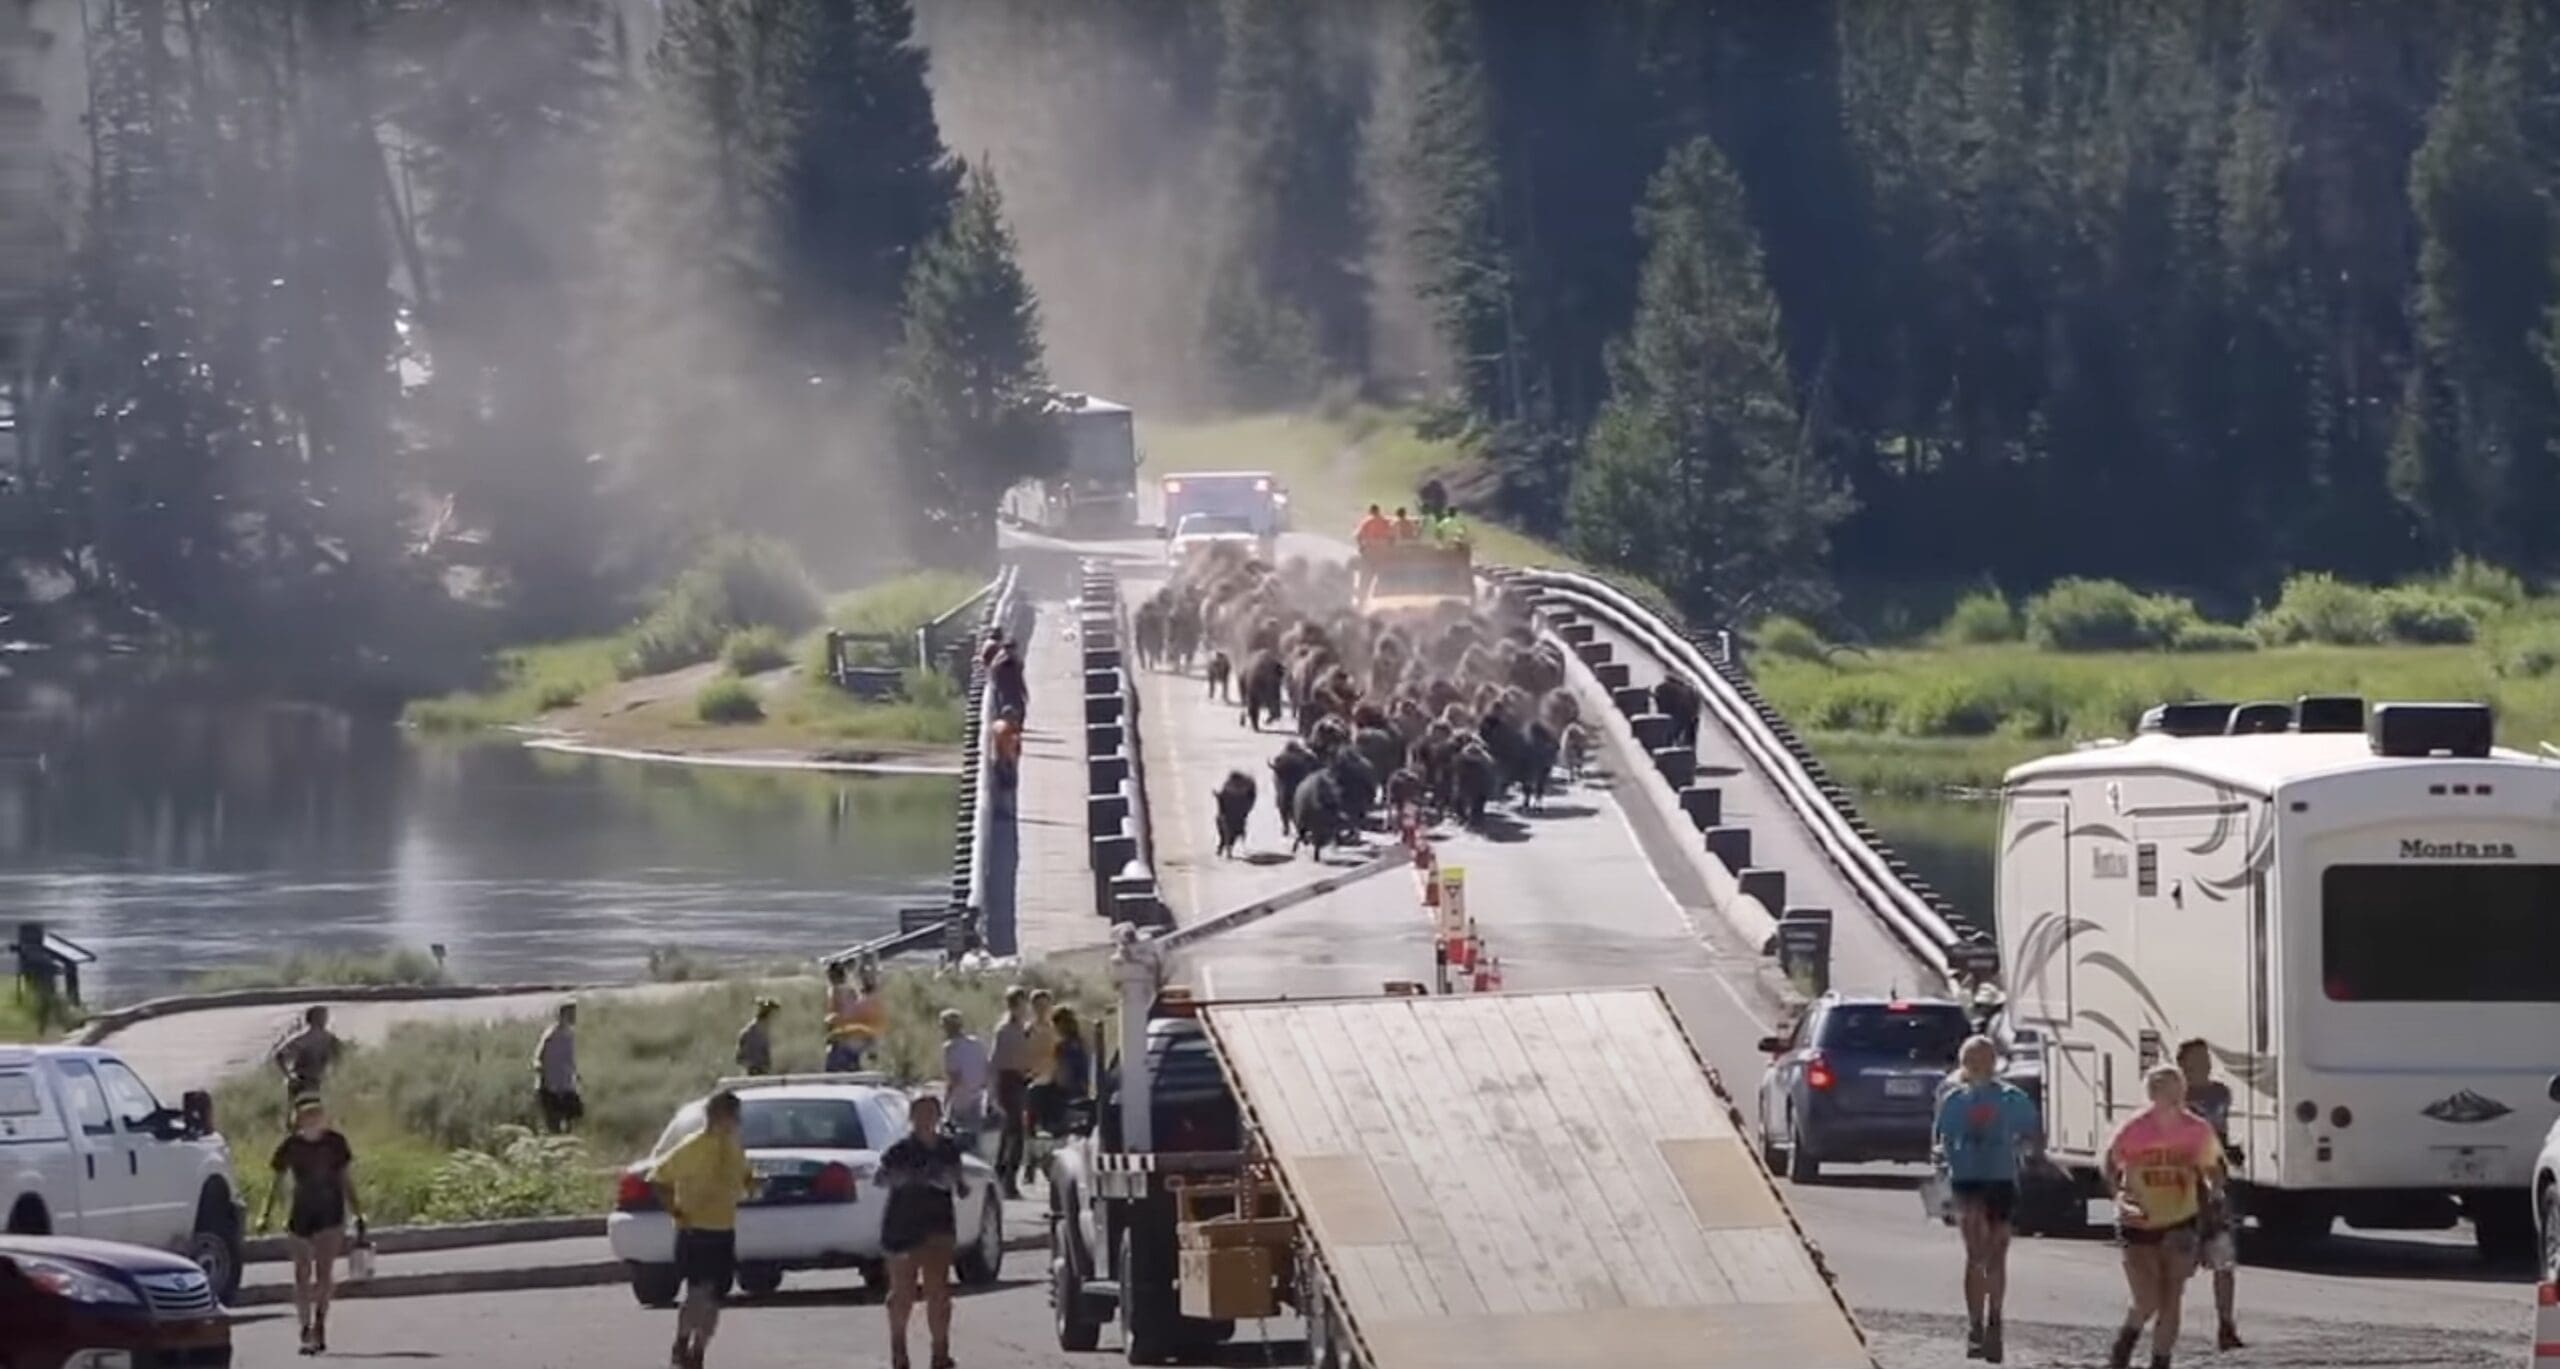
[(1528, 1179)]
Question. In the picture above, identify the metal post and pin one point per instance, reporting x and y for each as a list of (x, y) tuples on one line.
[(1134, 965)]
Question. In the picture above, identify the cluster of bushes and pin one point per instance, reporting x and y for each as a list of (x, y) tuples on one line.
[(2333, 612), (2108, 615), (736, 583)]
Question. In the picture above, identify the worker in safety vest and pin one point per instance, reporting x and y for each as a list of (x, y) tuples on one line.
[(1373, 531), (1407, 530)]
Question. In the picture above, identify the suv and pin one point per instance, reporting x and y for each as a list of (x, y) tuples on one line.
[(1856, 1080), (87, 1150)]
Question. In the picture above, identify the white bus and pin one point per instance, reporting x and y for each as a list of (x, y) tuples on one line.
[(2363, 922)]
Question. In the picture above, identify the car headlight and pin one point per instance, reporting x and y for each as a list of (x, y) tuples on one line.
[(76, 1282)]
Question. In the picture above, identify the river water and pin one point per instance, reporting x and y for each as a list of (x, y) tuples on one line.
[(173, 835), (1949, 841)]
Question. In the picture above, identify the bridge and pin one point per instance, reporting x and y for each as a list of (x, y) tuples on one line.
[(1617, 882)]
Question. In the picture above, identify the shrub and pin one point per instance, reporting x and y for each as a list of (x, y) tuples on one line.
[(1949, 708), (1852, 705), (401, 965), (2202, 636), (2411, 613), (728, 700), (2468, 578), (1780, 635), (2528, 652), (755, 650), (1982, 616), (2319, 607), (737, 582), (2105, 615), (520, 1175)]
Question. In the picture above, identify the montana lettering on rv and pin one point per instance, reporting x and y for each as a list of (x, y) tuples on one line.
[(2418, 848)]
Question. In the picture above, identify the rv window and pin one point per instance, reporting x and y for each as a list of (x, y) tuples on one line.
[(2441, 933), (2146, 870)]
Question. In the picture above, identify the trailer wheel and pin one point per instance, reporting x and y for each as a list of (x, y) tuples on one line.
[(1147, 1325)]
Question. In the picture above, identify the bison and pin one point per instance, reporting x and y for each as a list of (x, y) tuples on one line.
[(1317, 810), (1235, 805)]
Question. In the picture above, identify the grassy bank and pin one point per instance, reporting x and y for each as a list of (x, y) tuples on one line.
[(1916, 720), (439, 1116), (401, 965), (733, 690)]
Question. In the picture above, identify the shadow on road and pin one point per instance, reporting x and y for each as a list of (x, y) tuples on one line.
[(861, 1295), (2383, 1255)]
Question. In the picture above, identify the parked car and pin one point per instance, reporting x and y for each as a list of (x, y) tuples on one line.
[(86, 1149), (71, 1303), (1856, 1080), (815, 1143)]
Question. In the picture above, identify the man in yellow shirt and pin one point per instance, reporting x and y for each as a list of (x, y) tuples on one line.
[(700, 1183)]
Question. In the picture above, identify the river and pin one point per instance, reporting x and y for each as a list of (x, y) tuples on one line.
[(1949, 841), (174, 835)]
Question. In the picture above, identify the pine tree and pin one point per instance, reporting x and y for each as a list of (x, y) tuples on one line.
[(1448, 171), (973, 384), (1698, 475)]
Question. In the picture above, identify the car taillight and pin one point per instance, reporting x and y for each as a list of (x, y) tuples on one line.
[(1817, 1072), (834, 1184), (632, 1192), (1173, 487)]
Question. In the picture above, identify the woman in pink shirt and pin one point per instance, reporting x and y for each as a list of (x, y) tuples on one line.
[(2163, 1164)]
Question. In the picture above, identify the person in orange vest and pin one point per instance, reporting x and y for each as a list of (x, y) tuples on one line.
[(1370, 537), (1406, 530)]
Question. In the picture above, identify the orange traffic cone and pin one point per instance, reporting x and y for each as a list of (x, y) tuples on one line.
[(1492, 976), (2546, 1327)]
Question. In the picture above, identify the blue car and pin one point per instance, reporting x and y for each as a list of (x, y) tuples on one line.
[(1856, 1080)]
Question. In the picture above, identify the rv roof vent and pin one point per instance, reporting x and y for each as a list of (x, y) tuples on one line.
[(2251, 719), (2430, 729), (2328, 713), (2200, 719)]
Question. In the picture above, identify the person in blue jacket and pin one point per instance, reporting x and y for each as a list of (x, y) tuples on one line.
[(1985, 1130)]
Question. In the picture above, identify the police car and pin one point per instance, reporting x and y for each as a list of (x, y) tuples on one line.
[(814, 1141)]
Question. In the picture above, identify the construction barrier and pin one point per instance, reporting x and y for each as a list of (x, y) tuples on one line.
[(2546, 1327)]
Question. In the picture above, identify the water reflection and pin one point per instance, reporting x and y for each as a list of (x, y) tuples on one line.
[(173, 834), (1949, 841)]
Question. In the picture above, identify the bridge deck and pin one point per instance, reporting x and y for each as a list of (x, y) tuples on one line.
[(1528, 1179), (1041, 858)]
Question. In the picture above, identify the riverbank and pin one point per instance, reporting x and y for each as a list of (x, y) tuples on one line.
[(764, 702), (441, 1115)]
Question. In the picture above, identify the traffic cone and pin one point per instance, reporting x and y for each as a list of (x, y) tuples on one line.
[(1493, 975), (2546, 1327)]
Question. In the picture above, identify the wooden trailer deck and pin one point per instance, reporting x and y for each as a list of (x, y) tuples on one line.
[(1539, 1180)]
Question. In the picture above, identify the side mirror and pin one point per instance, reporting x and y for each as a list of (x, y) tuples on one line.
[(2555, 1088), (1773, 1045), (195, 1109)]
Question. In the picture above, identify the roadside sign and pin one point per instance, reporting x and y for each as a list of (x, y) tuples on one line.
[(1453, 900)]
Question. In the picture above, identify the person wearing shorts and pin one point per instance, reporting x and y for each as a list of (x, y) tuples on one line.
[(920, 1230), (2210, 1099), (700, 1183), (322, 1168), (2165, 1165), (1985, 1127)]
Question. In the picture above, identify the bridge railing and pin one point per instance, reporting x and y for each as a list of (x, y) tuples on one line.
[(999, 608), (1940, 938)]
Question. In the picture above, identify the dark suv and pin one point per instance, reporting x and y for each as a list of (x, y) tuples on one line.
[(1856, 1080)]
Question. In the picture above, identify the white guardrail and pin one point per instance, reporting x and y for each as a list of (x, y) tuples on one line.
[(1914, 920), (1002, 609)]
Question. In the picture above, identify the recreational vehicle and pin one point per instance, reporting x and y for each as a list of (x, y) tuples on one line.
[(2361, 919)]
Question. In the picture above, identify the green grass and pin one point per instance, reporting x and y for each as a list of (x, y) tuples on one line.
[(755, 650), (728, 700), (438, 1113), (402, 965), (928, 712), (20, 1019), (898, 607), (1913, 721), (530, 681)]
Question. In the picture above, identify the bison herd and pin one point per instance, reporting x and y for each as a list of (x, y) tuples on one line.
[(1438, 714)]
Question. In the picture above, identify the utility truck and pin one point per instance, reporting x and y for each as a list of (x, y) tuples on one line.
[(2359, 916), (87, 1150), (1548, 1180), (1416, 576)]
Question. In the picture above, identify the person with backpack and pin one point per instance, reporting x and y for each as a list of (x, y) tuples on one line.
[(1986, 1128)]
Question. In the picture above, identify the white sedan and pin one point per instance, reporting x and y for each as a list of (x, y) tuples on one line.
[(814, 1142)]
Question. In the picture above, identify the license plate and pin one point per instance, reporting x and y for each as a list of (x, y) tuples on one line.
[(2466, 1166), (1905, 1088), (766, 1169)]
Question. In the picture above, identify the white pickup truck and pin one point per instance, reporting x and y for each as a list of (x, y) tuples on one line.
[(87, 1150)]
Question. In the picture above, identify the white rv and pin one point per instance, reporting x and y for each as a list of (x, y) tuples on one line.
[(2363, 923)]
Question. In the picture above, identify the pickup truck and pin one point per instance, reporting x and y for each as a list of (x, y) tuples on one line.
[(87, 1150)]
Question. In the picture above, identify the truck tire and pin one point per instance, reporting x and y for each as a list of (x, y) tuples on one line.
[(2503, 1231), (981, 1261), (1078, 1329), (29, 1218), (655, 1285), (1802, 1168), (1147, 1321), (214, 1243)]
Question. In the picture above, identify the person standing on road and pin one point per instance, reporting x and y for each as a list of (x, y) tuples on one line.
[(555, 1072), (1985, 1127), (700, 1184), (1013, 1070), (2210, 1099), (850, 1010), (964, 1076), (920, 1229), (306, 1057), (755, 1040), (320, 1166), (2162, 1166)]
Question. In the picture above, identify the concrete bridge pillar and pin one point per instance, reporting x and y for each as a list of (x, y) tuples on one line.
[(1732, 845)]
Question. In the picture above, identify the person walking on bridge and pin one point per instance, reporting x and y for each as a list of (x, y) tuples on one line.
[(2210, 1099), (1985, 1128), (2164, 1165)]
